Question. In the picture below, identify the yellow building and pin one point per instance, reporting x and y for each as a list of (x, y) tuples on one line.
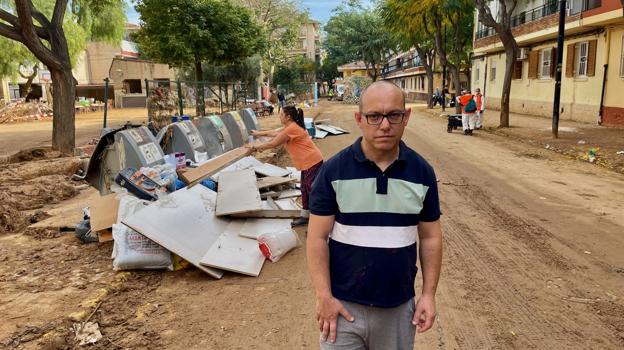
[(351, 69), (593, 61)]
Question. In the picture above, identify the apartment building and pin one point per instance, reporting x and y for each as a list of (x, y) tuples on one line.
[(309, 44), (593, 60)]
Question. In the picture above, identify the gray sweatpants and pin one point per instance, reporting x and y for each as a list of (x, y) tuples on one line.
[(375, 328)]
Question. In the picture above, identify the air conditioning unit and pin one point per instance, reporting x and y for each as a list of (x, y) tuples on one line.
[(523, 53)]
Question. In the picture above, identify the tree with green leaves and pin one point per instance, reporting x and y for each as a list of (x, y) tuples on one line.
[(52, 31), (410, 32), (281, 21), (355, 33), (501, 22), (188, 33), (328, 72), (297, 74)]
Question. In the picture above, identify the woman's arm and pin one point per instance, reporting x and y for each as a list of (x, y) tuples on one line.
[(270, 133), (277, 141)]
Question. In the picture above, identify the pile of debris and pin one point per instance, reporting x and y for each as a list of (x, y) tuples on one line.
[(231, 214), (23, 111)]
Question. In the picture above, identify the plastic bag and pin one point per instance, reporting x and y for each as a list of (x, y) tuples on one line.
[(275, 245)]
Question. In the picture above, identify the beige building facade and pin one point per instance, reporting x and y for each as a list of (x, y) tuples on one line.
[(309, 44), (592, 67), (119, 63)]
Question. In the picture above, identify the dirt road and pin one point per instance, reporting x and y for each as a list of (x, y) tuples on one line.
[(533, 260), (24, 135)]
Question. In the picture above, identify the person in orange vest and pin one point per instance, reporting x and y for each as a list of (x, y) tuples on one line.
[(480, 99), (469, 109)]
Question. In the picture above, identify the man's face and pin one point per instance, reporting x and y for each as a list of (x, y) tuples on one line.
[(385, 100)]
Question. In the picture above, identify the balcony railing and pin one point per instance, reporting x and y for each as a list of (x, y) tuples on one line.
[(549, 8), (397, 65)]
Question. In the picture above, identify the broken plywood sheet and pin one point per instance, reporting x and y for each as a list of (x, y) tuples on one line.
[(238, 193), (267, 169), (287, 204), (184, 223), (320, 134), (289, 194), (232, 252), (270, 181), (244, 163), (255, 227), (331, 129), (211, 167), (270, 213)]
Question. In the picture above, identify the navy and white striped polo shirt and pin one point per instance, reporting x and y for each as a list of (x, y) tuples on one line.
[(372, 246)]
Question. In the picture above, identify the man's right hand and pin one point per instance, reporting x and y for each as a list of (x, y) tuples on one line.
[(327, 311)]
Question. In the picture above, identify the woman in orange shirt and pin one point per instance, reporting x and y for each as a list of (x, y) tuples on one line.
[(305, 155)]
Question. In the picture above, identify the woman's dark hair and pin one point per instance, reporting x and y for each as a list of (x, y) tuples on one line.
[(295, 114)]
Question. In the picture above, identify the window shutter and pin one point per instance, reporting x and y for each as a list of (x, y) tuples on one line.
[(591, 58), (533, 64), (517, 71), (570, 61), (553, 62)]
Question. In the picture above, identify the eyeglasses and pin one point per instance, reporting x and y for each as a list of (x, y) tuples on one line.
[(377, 118)]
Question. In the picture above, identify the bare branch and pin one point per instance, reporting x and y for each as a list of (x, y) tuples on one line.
[(30, 37), (40, 17), (9, 17), (59, 12), (10, 32)]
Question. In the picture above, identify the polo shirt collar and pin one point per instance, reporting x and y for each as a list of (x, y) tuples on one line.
[(361, 157)]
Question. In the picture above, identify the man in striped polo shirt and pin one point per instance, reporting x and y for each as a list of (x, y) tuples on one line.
[(369, 204)]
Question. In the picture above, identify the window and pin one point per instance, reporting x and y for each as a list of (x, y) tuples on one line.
[(622, 58), (14, 91), (493, 71), (580, 57), (133, 86), (544, 63)]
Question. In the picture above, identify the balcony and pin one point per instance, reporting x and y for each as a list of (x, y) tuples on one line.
[(550, 8), (401, 64)]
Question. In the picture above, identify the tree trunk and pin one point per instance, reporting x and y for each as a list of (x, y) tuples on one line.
[(200, 105), (457, 82), (429, 88), (63, 123), (509, 65)]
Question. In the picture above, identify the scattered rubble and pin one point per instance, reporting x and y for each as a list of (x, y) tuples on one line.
[(23, 111)]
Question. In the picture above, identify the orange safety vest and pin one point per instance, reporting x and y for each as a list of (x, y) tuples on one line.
[(478, 101)]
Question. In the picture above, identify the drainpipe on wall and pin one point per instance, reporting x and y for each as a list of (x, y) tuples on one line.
[(604, 75)]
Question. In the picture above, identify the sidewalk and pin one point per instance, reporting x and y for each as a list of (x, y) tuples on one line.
[(575, 139)]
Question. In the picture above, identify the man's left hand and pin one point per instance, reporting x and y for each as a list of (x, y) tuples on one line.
[(425, 313)]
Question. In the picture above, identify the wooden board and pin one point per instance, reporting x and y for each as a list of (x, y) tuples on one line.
[(270, 213), (287, 204), (270, 181), (238, 193), (255, 227), (289, 194), (244, 163), (234, 253), (184, 223), (103, 212), (193, 176), (339, 129), (267, 169)]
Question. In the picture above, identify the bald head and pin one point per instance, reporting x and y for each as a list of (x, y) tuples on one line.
[(381, 88)]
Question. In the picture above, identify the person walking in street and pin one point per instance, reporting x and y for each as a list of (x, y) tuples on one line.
[(305, 155), (437, 97), (370, 205), (468, 108), (480, 100), (281, 100)]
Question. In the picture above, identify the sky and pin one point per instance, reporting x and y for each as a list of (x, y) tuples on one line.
[(320, 10)]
